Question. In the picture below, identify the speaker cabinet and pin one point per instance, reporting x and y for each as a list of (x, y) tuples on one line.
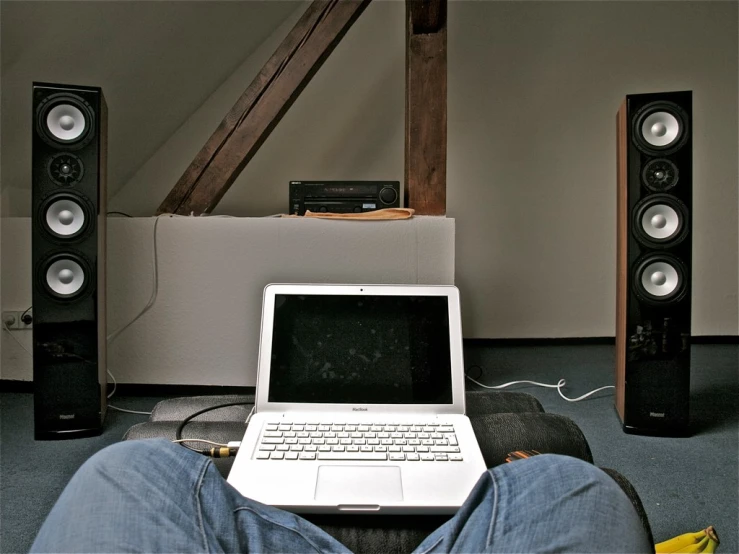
[(68, 260), (654, 254)]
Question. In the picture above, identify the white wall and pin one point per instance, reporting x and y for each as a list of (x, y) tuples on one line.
[(533, 92), (204, 326), (156, 62), (2, 331), (346, 124)]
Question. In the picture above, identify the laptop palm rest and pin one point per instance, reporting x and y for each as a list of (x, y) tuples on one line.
[(359, 487)]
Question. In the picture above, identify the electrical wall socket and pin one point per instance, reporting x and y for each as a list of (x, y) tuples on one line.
[(12, 319)]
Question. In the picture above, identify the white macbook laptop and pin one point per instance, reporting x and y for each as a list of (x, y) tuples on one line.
[(359, 402)]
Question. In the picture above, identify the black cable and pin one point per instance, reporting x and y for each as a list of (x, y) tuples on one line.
[(119, 213), (181, 426), (30, 318)]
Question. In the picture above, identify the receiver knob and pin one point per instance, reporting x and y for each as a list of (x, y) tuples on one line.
[(388, 195)]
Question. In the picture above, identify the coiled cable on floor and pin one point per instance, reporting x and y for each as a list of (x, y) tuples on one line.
[(561, 383)]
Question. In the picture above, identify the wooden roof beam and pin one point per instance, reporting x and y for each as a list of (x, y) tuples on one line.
[(426, 106), (261, 107)]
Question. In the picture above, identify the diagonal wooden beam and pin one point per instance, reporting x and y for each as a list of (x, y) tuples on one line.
[(425, 106), (261, 106)]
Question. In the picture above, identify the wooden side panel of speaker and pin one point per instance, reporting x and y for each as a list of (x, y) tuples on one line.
[(622, 264)]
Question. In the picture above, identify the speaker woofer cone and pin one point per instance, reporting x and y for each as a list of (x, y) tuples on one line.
[(66, 276), (660, 220), (65, 218), (660, 278), (65, 119), (66, 122), (660, 127)]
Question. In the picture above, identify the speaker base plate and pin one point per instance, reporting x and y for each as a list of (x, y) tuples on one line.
[(44, 435), (654, 432)]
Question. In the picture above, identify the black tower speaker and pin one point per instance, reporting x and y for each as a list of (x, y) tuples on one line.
[(68, 258), (654, 251)]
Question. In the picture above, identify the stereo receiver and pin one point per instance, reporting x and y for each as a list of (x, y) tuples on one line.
[(343, 196)]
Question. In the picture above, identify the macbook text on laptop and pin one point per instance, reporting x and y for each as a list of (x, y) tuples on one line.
[(359, 402)]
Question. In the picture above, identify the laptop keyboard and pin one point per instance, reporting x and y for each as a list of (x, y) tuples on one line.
[(425, 442)]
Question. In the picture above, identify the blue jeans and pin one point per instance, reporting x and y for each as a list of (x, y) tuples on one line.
[(155, 496)]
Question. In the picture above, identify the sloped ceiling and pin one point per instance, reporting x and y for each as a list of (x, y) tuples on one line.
[(157, 62)]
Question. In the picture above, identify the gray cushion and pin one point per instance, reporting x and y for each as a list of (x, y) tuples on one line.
[(630, 491), (499, 434), (177, 409), (482, 402)]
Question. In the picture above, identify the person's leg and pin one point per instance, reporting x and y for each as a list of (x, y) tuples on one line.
[(546, 503), (155, 496)]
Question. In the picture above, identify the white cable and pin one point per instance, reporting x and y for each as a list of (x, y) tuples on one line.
[(16, 340), (115, 384), (561, 383), (251, 413), (127, 411), (155, 288), (149, 304), (192, 214), (154, 292)]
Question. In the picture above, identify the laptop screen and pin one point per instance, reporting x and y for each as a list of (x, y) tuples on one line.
[(345, 349)]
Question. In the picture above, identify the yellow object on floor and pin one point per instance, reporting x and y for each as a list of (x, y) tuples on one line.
[(700, 541)]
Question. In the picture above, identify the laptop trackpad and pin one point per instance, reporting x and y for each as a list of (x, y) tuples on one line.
[(362, 485)]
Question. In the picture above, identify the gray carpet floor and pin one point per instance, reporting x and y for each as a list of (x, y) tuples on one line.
[(685, 484)]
